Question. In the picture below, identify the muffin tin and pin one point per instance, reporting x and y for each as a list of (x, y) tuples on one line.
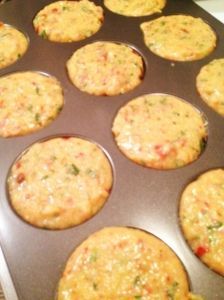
[(141, 197)]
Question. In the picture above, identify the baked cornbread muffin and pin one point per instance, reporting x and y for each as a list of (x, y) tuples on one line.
[(160, 131), (123, 264), (60, 182), (13, 45), (179, 37), (68, 21), (210, 84), (29, 101), (105, 68), (135, 8), (202, 218)]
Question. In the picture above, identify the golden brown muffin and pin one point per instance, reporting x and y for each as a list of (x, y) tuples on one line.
[(210, 84), (68, 21), (123, 264), (29, 101), (13, 45), (105, 68), (160, 131), (202, 218), (60, 182), (179, 37), (135, 8)]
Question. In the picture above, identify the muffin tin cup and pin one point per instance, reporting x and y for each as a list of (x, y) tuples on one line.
[(142, 197)]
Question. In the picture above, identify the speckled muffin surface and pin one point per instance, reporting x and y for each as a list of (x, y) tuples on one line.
[(210, 84), (123, 263), (135, 8), (160, 131), (29, 101), (60, 182), (202, 218), (179, 37), (13, 45), (105, 68), (68, 21)]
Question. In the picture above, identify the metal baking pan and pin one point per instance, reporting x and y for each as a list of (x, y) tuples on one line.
[(141, 197)]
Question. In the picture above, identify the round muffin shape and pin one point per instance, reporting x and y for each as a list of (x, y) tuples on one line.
[(160, 131), (135, 8), (105, 68), (60, 182), (29, 101), (179, 37), (68, 21), (202, 218), (13, 44), (210, 84), (123, 263)]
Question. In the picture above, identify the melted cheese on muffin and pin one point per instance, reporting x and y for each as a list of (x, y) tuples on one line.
[(123, 264), (68, 21), (202, 218), (210, 84), (135, 8), (13, 44), (160, 131), (60, 182), (179, 37), (29, 101), (105, 68)]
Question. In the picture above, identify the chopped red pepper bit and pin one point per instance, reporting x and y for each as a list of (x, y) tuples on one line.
[(201, 250), (18, 165), (20, 178)]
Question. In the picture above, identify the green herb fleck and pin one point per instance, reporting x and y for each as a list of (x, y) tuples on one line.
[(182, 132), (176, 113), (37, 117), (147, 102), (163, 100), (202, 144), (86, 9), (138, 297), (93, 257), (30, 108), (150, 44), (137, 280), (95, 286), (65, 8), (91, 173), (43, 34), (45, 177), (215, 226), (37, 89), (212, 239), (172, 291), (74, 170), (53, 157), (59, 109)]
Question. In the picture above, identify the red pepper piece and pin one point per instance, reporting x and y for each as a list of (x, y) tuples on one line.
[(18, 164), (201, 250), (20, 178)]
